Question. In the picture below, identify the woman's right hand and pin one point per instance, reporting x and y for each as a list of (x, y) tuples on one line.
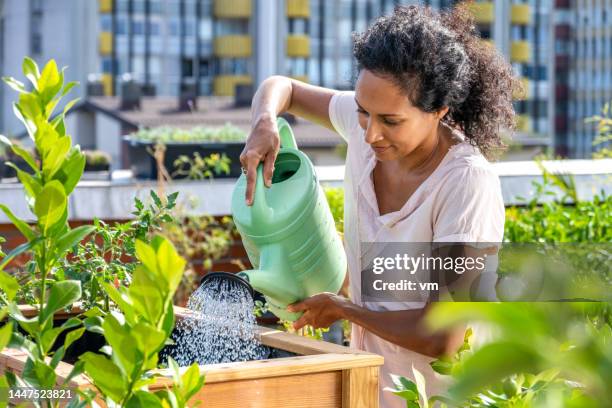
[(262, 144)]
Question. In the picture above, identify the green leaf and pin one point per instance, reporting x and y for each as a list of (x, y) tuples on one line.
[(145, 295), (30, 70), (71, 170), (105, 375), (156, 199), (31, 185), (143, 399), (61, 295), (126, 354), (18, 250), (68, 87), (73, 336), (171, 265), (146, 254), (39, 374), (53, 159), (50, 205), (191, 382), (498, 360), (72, 238), (48, 337), (21, 225), (50, 81), (6, 332), (9, 285), (123, 301), (29, 107), (15, 84)]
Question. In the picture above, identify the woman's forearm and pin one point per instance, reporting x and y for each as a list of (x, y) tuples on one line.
[(405, 328), (272, 98)]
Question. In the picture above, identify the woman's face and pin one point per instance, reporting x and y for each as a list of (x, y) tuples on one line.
[(393, 126)]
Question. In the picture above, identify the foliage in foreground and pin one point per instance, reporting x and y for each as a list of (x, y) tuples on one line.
[(138, 323)]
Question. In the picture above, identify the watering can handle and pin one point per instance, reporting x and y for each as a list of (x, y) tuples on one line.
[(286, 134)]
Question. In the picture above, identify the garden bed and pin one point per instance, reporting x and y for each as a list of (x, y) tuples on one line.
[(321, 374)]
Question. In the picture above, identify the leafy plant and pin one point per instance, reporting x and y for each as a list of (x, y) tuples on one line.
[(166, 134), (108, 255), (603, 140), (96, 158), (138, 331), (200, 168), (47, 187)]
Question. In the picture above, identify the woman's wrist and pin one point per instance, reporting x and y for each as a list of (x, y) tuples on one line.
[(347, 310)]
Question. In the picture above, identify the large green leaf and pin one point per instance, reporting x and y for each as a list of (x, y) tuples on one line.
[(31, 186), (8, 284), (55, 156), (20, 151), (30, 70), (73, 336), (17, 251), (145, 294), (122, 300), (126, 353), (150, 340), (29, 107), (71, 170), (71, 238), (61, 295), (191, 382), (144, 399), (498, 360), (6, 332), (50, 81), (50, 205), (39, 374), (171, 265), (21, 225), (15, 84), (146, 254), (105, 375)]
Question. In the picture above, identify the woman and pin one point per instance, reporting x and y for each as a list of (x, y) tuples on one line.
[(429, 102)]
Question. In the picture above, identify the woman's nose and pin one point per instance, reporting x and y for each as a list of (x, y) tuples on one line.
[(372, 132)]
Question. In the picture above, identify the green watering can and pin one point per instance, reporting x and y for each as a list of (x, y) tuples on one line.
[(288, 233)]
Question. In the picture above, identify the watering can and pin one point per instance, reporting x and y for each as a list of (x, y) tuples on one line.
[(289, 233)]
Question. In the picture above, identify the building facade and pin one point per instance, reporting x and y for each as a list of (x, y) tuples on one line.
[(561, 49)]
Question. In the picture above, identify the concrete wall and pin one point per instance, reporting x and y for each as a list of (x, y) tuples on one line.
[(108, 138)]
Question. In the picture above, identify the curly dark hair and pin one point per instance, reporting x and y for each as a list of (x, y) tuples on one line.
[(439, 60)]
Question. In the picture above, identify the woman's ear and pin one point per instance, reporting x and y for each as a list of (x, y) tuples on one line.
[(442, 112)]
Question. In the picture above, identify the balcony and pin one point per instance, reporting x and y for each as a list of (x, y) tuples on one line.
[(298, 46), (232, 46), (521, 14), (483, 12), (520, 51), (105, 6), (225, 85), (105, 43), (522, 94), (107, 84), (298, 8), (232, 9), (563, 31)]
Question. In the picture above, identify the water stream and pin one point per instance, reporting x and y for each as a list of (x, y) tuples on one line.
[(221, 326)]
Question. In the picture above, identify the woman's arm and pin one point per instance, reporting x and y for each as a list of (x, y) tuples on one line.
[(276, 95), (405, 328)]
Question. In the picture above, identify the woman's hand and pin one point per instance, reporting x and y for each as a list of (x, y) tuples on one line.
[(262, 145), (320, 311)]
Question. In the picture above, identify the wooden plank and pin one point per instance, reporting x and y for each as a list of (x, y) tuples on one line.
[(320, 390), (360, 387), (281, 367)]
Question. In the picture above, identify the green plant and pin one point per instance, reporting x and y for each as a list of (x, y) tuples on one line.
[(335, 199), (603, 139), (166, 134), (96, 157), (200, 168), (138, 330), (108, 255), (47, 188)]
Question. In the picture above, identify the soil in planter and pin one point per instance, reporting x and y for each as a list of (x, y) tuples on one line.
[(221, 327)]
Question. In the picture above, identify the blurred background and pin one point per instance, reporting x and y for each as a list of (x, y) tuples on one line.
[(145, 63)]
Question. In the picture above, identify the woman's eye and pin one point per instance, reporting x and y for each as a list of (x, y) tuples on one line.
[(389, 122), (362, 112)]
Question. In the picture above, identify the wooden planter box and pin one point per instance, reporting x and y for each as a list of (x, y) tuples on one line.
[(322, 375)]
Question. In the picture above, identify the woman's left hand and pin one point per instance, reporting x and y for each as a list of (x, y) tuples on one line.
[(320, 310)]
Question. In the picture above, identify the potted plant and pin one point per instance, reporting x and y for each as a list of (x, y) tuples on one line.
[(181, 143), (97, 165)]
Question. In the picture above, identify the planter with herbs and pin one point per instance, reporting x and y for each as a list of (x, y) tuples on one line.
[(180, 145), (97, 165)]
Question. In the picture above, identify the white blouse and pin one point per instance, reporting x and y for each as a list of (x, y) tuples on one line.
[(460, 201)]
